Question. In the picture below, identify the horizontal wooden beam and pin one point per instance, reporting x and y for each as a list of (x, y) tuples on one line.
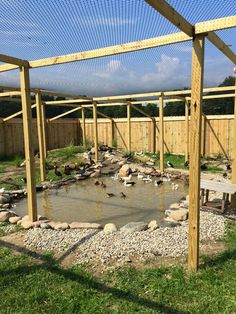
[(107, 51), (13, 60), (64, 114), (215, 25), (16, 114), (8, 94), (216, 41), (172, 15), (215, 96), (72, 101), (45, 92)]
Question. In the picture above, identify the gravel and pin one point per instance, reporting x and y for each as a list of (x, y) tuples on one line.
[(96, 246)]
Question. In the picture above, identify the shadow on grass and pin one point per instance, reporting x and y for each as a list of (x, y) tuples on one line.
[(50, 264), (219, 260)]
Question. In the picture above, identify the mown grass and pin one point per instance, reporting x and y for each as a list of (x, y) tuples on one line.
[(35, 283)]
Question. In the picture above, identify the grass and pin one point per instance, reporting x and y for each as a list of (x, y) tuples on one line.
[(66, 153), (35, 283)]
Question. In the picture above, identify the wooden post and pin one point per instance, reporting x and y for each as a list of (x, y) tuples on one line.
[(40, 136), (233, 179), (195, 146), (203, 135), (161, 132), (84, 127), (154, 135), (95, 126), (44, 128), (129, 126), (112, 132), (186, 130), (29, 156)]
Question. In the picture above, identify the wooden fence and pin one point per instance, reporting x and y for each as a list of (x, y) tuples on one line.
[(217, 134)]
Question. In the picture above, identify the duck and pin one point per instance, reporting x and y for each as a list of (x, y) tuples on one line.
[(204, 166), (140, 176), (67, 170), (186, 164), (115, 177), (225, 175), (103, 185), (169, 164), (128, 183), (57, 172), (110, 195), (147, 179), (158, 182), (175, 187), (96, 183), (166, 178), (122, 195), (228, 168), (129, 177)]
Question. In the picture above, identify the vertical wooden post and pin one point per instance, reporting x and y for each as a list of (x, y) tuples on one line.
[(40, 136), (153, 135), (95, 126), (233, 179), (203, 135), (44, 129), (195, 146), (112, 132), (29, 156), (84, 127), (161, 132), (129, 126), (186, 130)]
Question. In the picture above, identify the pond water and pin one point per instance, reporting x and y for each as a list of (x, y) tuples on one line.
[(86, 202)]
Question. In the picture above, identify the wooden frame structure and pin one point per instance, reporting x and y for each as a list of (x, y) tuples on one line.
[(197, 34)]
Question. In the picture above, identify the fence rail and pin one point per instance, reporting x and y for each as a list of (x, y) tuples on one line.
[(217, 134)]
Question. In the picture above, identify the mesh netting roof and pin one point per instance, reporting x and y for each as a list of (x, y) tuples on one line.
[(34, 29)]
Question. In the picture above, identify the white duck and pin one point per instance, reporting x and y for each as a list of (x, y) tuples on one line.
[(128, 178), (175, 186), (140, 176), (147, 179)]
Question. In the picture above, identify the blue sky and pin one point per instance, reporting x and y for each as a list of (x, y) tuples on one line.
[(33, 29)]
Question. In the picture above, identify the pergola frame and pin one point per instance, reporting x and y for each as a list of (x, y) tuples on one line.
[(197, 34)]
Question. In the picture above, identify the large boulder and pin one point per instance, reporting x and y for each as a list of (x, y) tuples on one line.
[(4, 216), (178, 215), (110, 228), (26, 224), (14, 220), (85, 225), (134, 227), (124, 171)]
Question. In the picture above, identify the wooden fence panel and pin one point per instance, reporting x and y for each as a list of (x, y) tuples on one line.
[(60, 133)]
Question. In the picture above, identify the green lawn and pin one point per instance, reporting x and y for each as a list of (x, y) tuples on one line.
[(34, 283)]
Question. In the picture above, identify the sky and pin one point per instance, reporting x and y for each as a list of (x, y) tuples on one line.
[(35, 29)]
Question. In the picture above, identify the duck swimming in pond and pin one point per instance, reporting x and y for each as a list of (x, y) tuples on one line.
[(158, 182), (110, 195), (122, 195), (128, 183)]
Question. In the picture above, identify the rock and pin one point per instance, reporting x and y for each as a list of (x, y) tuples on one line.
[(85, 225), (14, 220), (26, 224), (42, 218), (25, 218), (187, 198), (5, 199), (150, 163), (4, 216), (6, 206), (45, 225), (62, 226), (134, 226), (19, 222), (178, 215), (184, 204), (36, 224), (124, 171), (109, 228), (172, 222), (95, 174), (153, 225), (52, 224)]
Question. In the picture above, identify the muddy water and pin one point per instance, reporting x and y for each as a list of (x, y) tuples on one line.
[(85, 202)]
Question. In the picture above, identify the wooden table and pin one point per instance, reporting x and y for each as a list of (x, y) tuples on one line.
[(209, 185)]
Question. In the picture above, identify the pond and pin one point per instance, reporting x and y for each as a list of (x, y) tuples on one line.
[(86, 202)]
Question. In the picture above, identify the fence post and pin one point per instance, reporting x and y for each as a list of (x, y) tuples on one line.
[(161, 133), (84, 126), (186, 130), (95, 126), (129, 126), (233, 197), (29, 156)]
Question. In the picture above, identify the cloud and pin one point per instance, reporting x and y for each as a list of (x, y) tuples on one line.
[(112, 21)]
